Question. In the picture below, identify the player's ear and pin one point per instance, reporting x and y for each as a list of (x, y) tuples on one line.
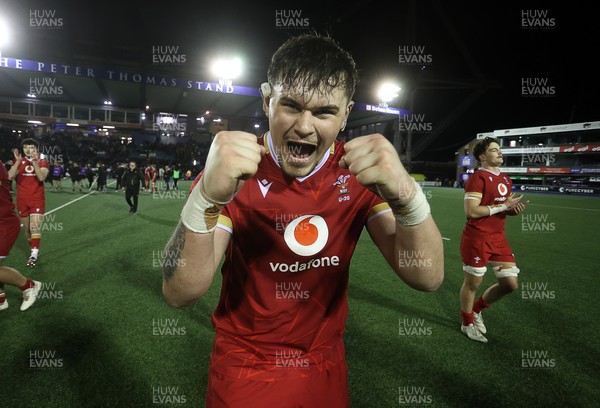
[(265, 92), (346, 114)]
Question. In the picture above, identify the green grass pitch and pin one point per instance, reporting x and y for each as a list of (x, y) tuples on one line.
[(101, 334)]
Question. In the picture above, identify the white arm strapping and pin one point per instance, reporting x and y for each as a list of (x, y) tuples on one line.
[(200, 213), (495, 209), (415, 211)]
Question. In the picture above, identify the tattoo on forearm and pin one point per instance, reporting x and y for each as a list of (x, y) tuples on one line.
[(172, 252)]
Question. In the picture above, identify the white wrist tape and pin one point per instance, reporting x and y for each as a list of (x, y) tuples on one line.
[(415, 211), (495, 209), (200, 213)]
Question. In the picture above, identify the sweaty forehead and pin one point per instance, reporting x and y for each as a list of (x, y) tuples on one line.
[(493, 146), (315, 97)]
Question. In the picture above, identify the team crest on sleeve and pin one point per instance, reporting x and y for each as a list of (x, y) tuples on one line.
[(342, 183), (502, 189)]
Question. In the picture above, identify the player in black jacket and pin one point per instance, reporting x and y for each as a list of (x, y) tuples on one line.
[(133, 178)]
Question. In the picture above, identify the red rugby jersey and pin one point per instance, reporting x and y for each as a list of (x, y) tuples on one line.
[(7, 208), (28, 185), (283, 303), (493, 189)]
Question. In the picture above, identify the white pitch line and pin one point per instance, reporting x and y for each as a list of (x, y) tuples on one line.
[(541, 205), (75, 200), (446, 239), (567, 208)]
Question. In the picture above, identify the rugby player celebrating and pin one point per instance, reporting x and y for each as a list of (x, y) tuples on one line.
[(488, 200), (9, 232), (267, 350), (30, 172)]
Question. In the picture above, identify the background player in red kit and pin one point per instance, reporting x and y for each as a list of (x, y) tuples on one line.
[(153, 176), (10, 225), (147, 177), (488, 200), (290, 208), (30, 172)]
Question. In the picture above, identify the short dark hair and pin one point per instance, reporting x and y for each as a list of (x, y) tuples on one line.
[(30, 141), (315, 62), (481, 146)]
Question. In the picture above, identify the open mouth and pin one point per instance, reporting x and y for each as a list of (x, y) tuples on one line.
[(300, 152)]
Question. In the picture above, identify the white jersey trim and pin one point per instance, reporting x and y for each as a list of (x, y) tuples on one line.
[(225, 228), (372, 217), (489, 171)]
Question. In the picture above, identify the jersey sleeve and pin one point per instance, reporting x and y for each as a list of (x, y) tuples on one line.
[(224, 221), (377, 207), (474, 188), (19, 171)]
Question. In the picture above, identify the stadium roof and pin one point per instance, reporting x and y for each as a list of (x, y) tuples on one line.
[(464, 65), (60, 83)]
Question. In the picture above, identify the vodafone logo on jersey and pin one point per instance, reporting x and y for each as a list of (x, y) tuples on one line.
[(29, 169), (502, 189), (306, 235)]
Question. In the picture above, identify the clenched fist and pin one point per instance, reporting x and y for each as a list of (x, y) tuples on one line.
[(233, 157), (376, 165)]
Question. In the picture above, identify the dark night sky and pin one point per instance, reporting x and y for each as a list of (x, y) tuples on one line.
[(472, 45)]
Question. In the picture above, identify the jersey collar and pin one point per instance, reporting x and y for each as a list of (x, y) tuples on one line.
[(489, 171), (271, 149)]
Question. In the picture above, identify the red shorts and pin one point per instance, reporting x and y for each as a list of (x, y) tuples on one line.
[(31, 205), (9, 231), (478, 251), (325, 389)]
